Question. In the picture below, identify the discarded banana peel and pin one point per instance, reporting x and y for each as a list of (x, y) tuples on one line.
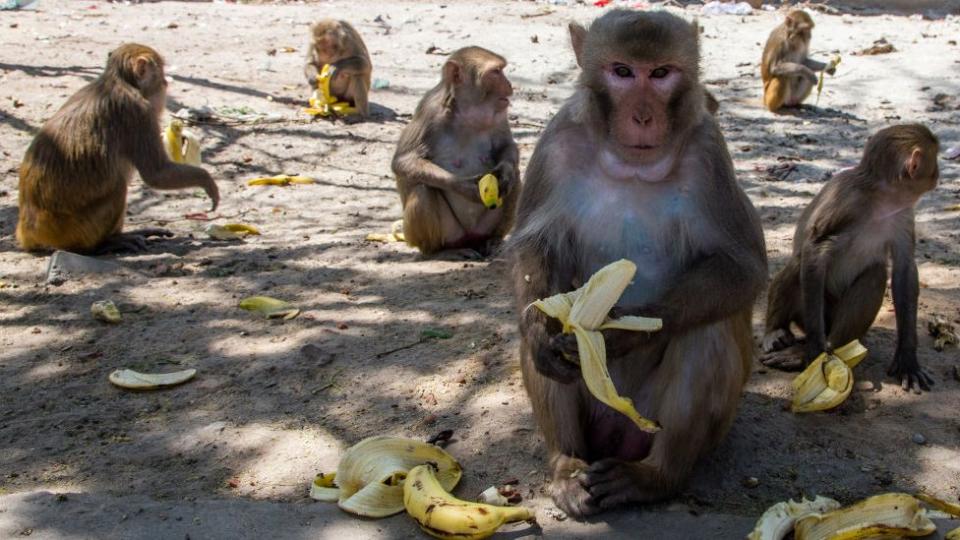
[(324, 104), (280, 180), (230, 231), (828, 380), (891, 514), (834, 62), (181, 145), (324, 488), (271, 308), (134, 380), (779, 519), (489, 188), (442, 515), (950, 508), (953, 535), (371, 473), (395, 234), (585, 312), (106, 311)]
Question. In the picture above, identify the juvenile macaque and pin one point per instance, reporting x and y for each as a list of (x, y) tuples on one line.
[(74, 176), (338, 44), (788, 73), (833, 285), (459, 133), (634, 166)]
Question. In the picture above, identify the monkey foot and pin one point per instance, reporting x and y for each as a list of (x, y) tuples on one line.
[(568, 492), (777, 340), (787, 359), (132, 241), (914, 379), (613, 482)]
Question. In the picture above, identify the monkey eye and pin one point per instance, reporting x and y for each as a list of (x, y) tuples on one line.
[(659, 73), (622, 71)]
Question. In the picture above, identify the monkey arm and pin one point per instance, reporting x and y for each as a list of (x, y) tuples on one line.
[(814, 256), (353, 65), (813, 64), (411, 165), (147, 155), (906, 291), (507, 158), (786, 69)]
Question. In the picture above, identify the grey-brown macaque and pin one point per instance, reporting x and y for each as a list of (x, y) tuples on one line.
[(458, 134), (833, 285), (634, 166), (338, 44)]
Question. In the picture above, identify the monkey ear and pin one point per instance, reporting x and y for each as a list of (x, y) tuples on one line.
[(452, 74), (578, 35), (141, 64), (914, 162)]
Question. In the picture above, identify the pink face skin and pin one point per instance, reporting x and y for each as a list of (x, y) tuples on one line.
[(498, 88), (640, 93)]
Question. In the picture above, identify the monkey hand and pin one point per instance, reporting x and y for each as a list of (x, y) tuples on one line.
[(467, 188), (831, 69), (213, 192), (559, 359), (906, 368), (506, 173)]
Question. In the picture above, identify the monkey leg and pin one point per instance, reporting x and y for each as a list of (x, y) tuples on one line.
[(774, 94), (428, 221), (695, 389), (798, 88), (850, 316), (783, 308)]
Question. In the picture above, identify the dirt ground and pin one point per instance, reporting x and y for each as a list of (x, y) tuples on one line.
[(264, 415)]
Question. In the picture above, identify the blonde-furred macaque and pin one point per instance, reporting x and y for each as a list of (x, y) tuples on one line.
[(338, 44), (833, 285), (459, 133), (74, 176), (788, 73), (634, 166)]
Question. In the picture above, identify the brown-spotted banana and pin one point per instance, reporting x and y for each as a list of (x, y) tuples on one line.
[(889, 515), (828, 380), (778, 520), (442, 515)]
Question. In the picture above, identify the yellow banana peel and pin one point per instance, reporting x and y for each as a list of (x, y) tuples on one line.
[(181, 145), (324, 488), (489, 188), (584, 312), (395, 234), (939, 504), (230, 231), (953, 535), (324, 104), (828, 380), (444, 516), (779, 519), (889, 515), (834, 62), (271, 308), (280, 180)]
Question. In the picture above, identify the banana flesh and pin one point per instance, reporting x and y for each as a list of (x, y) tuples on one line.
[(134, 380), (828, 380), (779, 519), (280, 180), (444, 516), (371, 475), (324, 104), (890, 515), (489, 188), (181, 145), (584, 312)]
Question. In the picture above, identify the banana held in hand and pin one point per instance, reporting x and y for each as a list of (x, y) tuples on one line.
[(828, 380), (891, 515), (585, 312), (181, 145), (371, 474), (489, 188), (442, 515)]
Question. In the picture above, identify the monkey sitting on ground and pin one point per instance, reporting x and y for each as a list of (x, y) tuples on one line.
[(833, 285), (338, 44), (74, 176), (788, 74), (459, 133), (634, 166)]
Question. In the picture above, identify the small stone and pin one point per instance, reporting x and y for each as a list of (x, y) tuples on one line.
[(316, 355), (864, 386), (750, 482), (918, 439)]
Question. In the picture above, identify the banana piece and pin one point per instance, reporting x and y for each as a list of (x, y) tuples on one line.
[(951, 508), (280, 180), (585, 312), (890, 514), (271, 308), (324, 104), (489, 188), (106, 311), (442, 515), (181, 145), (230, 231), (134, 380), (778, 520), (828, 380)]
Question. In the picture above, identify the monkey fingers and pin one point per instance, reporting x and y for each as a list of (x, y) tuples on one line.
[(777, 340), (567, 489), (152, 232), (558, 359), (912, 377), (612, 482), (788, 359)]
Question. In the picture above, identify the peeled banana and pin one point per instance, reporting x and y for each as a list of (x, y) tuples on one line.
[(134, 380), (442, 515), (181, 145), (585, 312), (371, 474), (828, 380), (890, 515), (489, 188), (280, 180), (779, 519), (324, 104)]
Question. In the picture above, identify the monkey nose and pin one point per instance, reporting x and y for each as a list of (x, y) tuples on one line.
[(642, 119)]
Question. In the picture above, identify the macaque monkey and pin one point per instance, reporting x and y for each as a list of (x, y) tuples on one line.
[(337, 43), (634, 166), (832, 286), (459, 133), (74, 176), (788, 74)]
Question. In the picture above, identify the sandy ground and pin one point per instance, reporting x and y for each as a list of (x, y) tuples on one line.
[(262, 417)]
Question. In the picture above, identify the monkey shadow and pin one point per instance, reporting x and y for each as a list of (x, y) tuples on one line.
[(87, 73), (379, 114), (807, 111)]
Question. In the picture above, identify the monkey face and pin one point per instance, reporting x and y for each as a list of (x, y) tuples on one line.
[(639, 98), (496, 88)]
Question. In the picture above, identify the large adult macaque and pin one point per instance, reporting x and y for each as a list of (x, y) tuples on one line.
[(459, 133), (833, 285), (788, 73), (634, 166), (74, 176), (338, 44)]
